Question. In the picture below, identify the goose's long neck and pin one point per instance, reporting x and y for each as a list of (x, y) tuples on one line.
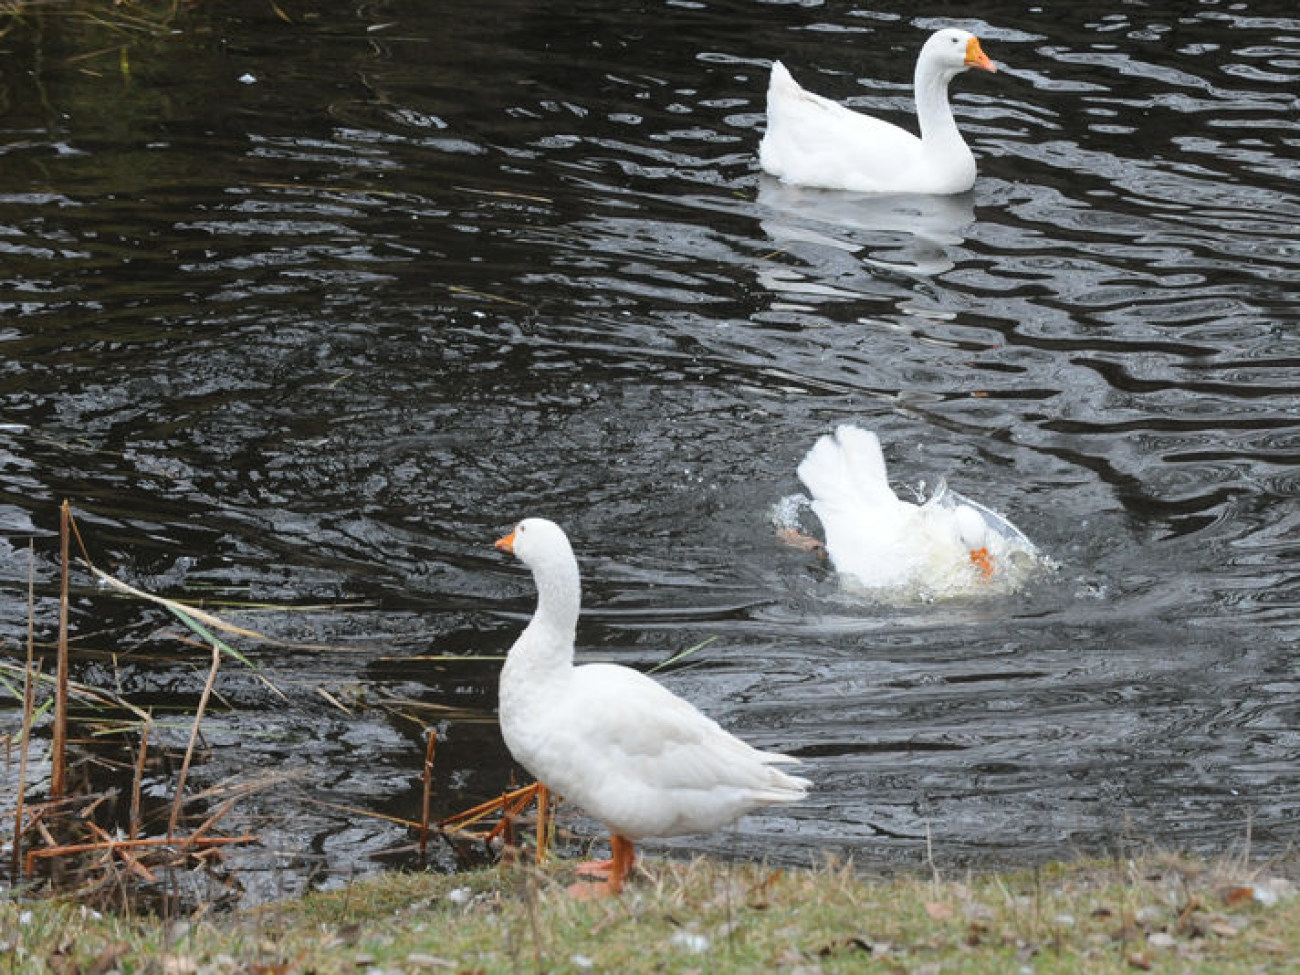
[(554, 624), (933, 112)]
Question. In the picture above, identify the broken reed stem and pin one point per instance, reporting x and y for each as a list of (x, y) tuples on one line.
[(29, 708), (114, 845), (429, 749), (132, 864), (509, 810), (469, 817), (58, 763), (194, 737), (211, 821), (133, 828)]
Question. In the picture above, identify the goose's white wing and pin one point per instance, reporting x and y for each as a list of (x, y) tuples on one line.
[(813, 141), (647, 763)]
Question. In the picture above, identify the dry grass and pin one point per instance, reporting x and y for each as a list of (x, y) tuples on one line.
[(1162, 914), (99, 861)]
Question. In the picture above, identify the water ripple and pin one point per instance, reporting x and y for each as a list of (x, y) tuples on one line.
[(320, 340)]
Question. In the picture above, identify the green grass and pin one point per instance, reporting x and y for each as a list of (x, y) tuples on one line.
[(1161, 913)]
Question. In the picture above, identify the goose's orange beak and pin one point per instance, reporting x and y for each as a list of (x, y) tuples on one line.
[(981, 558), (506, 544), (976, 58)]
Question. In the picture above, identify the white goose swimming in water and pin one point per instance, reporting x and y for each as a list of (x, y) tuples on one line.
[(949, 545), (813, 141), (610, 739)]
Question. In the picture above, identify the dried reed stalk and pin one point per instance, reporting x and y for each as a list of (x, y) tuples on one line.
[(429, 749), (29, 706), (115, 845), (58, 758), (518, 799), (133, 864), (133, 828), (179, 801), (211, 821)]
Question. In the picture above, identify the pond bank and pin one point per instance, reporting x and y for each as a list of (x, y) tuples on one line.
[(1157, 913)]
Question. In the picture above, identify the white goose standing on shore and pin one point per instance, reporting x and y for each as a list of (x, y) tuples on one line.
[(610, 739), (813, 141)]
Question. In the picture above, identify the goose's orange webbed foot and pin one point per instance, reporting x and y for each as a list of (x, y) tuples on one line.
[(797, 539), (614, 870), (588, 891)]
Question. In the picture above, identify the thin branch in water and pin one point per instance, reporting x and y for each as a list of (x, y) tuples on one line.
[(179, 800), (360, 811)]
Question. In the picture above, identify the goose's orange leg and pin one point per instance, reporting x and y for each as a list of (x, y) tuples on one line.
[(623, 854), (615, 870)]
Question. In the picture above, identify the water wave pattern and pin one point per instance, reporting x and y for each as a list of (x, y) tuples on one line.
[(321, 336)]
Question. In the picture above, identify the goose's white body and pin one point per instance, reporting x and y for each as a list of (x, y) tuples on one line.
[(813, 141), (611, 740), (948, 545)]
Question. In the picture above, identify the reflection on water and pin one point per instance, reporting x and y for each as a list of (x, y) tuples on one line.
[(887, 233), (316, 340)]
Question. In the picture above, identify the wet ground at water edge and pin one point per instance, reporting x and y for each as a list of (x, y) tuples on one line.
[(304, 305)]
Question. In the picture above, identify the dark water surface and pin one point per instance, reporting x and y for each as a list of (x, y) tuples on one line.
[(309, 313)]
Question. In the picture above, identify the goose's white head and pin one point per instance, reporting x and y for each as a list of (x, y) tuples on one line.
[(536, 542), (953, 51)]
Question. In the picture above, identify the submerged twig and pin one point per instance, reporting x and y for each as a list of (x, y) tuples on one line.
[(459, 290)]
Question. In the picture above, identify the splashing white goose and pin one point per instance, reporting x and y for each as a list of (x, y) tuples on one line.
[(813, 141), (610, 739), (949, 545)]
